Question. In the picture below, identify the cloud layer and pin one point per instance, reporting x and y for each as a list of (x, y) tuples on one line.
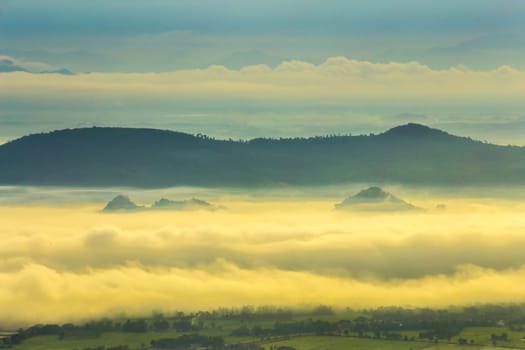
[(74, 263), (336, 79), (9, 64)]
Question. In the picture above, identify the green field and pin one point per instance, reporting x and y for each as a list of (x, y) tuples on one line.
[(483, 327), (135, 341), (482, 335), (142, 341), (344, 343)]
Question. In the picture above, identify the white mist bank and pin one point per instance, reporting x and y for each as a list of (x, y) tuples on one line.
[(71, 263)]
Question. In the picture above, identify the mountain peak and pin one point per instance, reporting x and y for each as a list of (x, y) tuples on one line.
[(374, 198), (372, 192), (121, 203), (414, 130)]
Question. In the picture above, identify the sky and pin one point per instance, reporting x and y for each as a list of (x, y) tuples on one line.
[(244, 69)]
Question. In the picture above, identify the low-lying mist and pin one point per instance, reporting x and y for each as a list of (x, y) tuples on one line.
[(69, 262)]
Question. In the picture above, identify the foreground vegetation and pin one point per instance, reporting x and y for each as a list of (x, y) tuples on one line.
[(282, 329)]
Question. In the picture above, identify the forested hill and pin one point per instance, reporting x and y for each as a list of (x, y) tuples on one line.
[(411, 154)]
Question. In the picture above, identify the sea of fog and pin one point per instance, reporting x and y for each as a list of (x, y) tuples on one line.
[(62, 259)]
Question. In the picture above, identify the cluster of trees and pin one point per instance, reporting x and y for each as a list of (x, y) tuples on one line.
[(463, 341), (118, 347), (478, 316), (288, 328), (189, 341), (91, 329), (499, 337), (249, 313), (438, 324), (389, 323), (156, 324), (180, 322)]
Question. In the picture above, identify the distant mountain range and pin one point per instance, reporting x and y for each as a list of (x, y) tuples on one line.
[(8, 65), (124, 204), (408, 154)]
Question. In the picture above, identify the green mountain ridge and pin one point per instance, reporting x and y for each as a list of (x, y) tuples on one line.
[(407, 154)]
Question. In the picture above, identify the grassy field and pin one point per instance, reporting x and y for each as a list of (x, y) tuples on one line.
[(482, 335), (134, 340), (343, 343), (138, 341)]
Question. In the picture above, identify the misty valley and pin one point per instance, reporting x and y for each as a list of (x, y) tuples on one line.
[(355, 266)]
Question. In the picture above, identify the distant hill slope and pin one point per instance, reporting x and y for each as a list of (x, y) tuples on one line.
[(124, 204), (410, 153), (375, 198)]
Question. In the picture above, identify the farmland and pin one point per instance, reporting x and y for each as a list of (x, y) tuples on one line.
[(496, 327)]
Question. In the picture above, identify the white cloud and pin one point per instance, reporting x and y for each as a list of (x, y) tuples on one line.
[(336, 80), (21, 64)]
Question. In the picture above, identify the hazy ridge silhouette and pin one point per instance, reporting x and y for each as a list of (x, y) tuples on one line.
[(407, 154)]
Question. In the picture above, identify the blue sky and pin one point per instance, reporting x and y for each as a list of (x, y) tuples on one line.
[(162, 36), (130, 17), (101, 35)]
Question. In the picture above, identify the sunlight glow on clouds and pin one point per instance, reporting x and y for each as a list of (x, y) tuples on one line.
[(256, 252)]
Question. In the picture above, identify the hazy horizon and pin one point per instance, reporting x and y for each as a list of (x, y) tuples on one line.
[(254, 69)]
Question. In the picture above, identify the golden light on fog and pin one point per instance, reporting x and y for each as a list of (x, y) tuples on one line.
[(72, 263)]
